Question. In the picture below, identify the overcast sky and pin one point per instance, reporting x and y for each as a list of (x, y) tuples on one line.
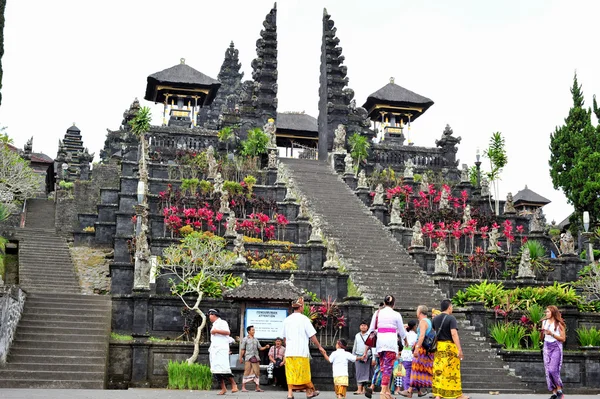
[(488, 66)]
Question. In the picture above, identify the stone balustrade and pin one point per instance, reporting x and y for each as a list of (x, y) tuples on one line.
[(11, 306)]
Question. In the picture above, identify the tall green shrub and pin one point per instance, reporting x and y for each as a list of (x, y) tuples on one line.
[(189, 376)]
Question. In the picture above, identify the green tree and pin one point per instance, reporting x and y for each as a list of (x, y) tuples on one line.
[(575, 157), (496, 153), (256, 143), (17, 180), (359, 147), (4, 137)]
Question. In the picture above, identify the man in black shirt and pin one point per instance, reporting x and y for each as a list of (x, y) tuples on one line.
[(446, 364)]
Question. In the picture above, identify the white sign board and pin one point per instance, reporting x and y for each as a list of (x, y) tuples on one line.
[(268, 322)]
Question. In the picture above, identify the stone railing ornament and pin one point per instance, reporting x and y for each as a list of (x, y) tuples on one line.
[(567, 244), (509, 206), (339, 140), (239, 250), (378, 198), (231, 231), (362, 180), (525, 268), (441, 259), (417, 235), (494, 236), (349, 164), (395, 218), (218, 184)]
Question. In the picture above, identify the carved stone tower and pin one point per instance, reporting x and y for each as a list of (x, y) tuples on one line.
[(72, 160)]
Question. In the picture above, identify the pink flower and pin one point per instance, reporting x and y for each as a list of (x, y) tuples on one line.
[(219, 217)]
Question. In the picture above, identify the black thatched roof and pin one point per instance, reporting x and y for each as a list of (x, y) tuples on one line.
[(274, 290), (297, 122), (180, 76), (398, 96), (73, 129), (529, 197)]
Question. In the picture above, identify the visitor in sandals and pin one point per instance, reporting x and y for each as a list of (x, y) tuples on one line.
[(249, 354), (218, 351), (553, 329), (449, 354), (297, 331)]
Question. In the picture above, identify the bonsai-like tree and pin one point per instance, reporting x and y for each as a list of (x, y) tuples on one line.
[(198, 268), (359, 146), (256, 143), (17, 180)]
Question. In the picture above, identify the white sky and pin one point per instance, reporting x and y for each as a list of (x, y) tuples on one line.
[(489, 66)]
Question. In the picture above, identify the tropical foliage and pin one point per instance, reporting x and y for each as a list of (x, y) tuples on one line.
[(183, 375)]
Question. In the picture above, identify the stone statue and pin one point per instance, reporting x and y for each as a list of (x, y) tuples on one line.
[(315, 233), (271, 131), (281, 173), (218, 184), (332, 261), (395, 218), (538, 221), (348, 161), (417, 235), (303, 210), (494, 236), (485, 187), (466, 216), (339, 140), (224, 208), (444, 200), (239, 250), (290, 191), (464, 174), (424, 183), (378, 198), (567, 244), (212, 162), (408, 169), (272, 159), (525, 268), (441, 259), (509, 206), (231, 230), (362, 180)]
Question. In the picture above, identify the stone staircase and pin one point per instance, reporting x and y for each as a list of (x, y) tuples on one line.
[(379, 265), (62, 338)]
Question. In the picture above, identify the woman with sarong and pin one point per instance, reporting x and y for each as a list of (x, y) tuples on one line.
[(363, 361), (553, 328), (446, 365), (389, 325), (421, 370)]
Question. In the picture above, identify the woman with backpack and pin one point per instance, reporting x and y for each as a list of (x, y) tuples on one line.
[(422, 364)]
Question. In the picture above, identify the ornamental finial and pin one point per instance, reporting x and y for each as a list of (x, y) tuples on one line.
[(182, 61), (392, 80)]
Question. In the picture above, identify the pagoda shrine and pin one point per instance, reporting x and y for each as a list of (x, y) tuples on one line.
[(72, 160)]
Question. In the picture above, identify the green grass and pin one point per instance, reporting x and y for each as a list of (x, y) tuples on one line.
[(588, 336), (353, 289), (120, 337), (157, 339), (189, 376)]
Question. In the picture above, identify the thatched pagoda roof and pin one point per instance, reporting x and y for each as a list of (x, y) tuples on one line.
[(394, 95)]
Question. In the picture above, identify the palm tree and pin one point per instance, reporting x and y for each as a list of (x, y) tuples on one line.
[(359, 146)]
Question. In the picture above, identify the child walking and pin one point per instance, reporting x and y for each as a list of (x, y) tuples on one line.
[(339, 359)]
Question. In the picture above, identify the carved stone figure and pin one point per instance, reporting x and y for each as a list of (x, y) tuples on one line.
[(239, 250), (362, 180), (212, 162), (231, 225), (417, 235), (290, 191), (332, 261), (444, 200), (339, 140), (378, 198), (525, 268), (281, 173), (218, 184), (567, 244), (409, 167), (271, 131), (315, 233), (272, 159), (464, 174), (485, 187), (441, 259), (303, 210), (395, 218), (494, 236), (538, 221), (466, 216), (224, 208), (509, 205), (424, 183), (348, 162)]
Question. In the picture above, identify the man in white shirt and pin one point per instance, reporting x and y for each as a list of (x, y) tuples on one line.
[(297, 331), (218, 352)]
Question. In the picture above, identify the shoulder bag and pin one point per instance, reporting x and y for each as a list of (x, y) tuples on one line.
[(371, 340), (430, 340)]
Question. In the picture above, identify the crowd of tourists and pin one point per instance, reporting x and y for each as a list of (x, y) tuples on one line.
[(402, 359)]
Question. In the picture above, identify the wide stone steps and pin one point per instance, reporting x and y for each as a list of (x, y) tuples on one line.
[(380, 265)]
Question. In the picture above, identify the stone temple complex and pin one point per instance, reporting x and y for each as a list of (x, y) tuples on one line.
[(297, 211)]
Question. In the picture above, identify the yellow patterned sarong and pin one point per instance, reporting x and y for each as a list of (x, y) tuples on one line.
[(446, 371), (297, 370)]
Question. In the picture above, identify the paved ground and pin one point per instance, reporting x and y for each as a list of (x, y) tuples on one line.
[(167, 394)]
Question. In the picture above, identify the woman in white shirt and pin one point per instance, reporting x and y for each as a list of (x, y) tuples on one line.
[(407, 353), (553, 328)]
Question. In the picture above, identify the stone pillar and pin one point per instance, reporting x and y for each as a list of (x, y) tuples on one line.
[(140, 314), (380, 212), (355, 309), (303, 231), (570, 315), (317, 257), (402, 234), (291, 209), (271, 176), (364, 195), (139, 366), (419, 254), (350, 180), (477, 315), (337, 160)]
